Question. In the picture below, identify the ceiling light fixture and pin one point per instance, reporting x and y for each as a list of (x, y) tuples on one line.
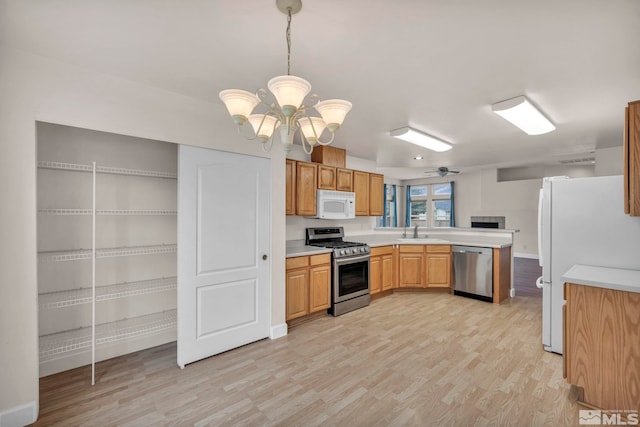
[(523, 114), (422, 139), (289, 112), (417, 158)]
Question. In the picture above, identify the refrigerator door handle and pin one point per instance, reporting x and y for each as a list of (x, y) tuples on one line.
[(540, 199)]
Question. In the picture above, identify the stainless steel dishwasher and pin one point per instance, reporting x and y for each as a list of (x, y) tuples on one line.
[(473, 272)]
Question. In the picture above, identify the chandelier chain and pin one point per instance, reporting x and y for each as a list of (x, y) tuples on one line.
[(288, 41)]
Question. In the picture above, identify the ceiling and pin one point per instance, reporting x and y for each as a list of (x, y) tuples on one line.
[(434, 65)]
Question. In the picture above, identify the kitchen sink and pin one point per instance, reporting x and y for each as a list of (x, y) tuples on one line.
[(419, 241)]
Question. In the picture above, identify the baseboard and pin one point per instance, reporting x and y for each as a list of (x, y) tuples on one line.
[(278, 331), (523, 255), (19, 416)]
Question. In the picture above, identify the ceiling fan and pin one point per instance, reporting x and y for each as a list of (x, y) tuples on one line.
[(442, 171)]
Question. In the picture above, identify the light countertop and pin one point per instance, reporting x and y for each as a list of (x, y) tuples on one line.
[(619, 279), (298, 248)]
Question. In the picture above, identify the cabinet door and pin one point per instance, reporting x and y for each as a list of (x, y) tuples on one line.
[(438, 270), (376, 194), (326, 177), (411, 270), (319, 288), (344, 179), (361, 188), (632, 159), (375, 275), (290, 206), (306, 183), (386, 265), (297, 293)]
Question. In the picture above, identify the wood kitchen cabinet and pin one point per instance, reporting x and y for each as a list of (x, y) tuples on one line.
[(361, 188), (306, 185), (326, 177), (308, 285), (344, 179), (424, 266), (632, 159), (438, 269), (376, 194), (601, 343), (381, 269), (375, 274), (290, 206), (304, 178), (320, 285), (411, 266)]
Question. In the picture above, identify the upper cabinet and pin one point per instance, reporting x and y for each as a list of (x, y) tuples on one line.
[(330, 156), (632, 159), (361, 188), (376, 194), (305, 178), (344, 179), (326, 177), (306, 185), (290, 206)]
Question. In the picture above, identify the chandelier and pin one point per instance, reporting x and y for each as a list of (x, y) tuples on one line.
[(292, 107)]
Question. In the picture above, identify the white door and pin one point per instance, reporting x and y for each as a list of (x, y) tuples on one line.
[(223, 245)]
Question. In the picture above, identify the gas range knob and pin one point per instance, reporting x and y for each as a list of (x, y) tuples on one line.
[(342, 252), (362, 250)]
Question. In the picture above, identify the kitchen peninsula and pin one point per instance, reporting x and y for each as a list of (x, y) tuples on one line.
[(401, 261)]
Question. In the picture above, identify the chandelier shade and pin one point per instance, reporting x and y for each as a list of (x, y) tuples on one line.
[(312, 128), (239, 103), (289, 91), (293, 104), (333, 112), (263, 125)]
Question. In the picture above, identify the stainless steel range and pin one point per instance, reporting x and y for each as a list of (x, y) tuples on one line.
[(350, 278)]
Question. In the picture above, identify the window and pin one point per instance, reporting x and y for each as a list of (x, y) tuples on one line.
[(431, 205), (389, 219)]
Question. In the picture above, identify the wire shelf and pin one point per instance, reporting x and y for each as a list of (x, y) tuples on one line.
[(80, 254), (107, 212), (79, 296), (44, 164), (58, 345)]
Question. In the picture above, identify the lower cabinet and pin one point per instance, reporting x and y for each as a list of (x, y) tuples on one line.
[(438, 260), (601, 343), (411, 266), (308, 285), (425, 266), (381, 269)]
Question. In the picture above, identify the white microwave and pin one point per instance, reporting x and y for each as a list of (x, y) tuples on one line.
[(335, 204)]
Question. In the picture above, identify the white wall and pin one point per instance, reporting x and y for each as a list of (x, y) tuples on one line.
[(480, 194), (36, 88), (610, 161)]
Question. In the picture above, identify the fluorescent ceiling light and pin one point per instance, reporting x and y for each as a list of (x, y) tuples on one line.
[(422, 139), (520, 112)]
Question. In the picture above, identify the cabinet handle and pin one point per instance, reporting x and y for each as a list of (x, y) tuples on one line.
[(264, 257)]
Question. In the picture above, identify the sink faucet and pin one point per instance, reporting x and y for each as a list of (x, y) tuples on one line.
[(415, 232)]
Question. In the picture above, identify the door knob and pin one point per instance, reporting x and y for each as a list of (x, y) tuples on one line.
[(264, 257)]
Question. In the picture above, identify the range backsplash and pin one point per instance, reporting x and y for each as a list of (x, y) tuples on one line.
[(296, 225)]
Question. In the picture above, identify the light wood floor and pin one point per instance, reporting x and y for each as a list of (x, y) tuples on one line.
[(407, 359)]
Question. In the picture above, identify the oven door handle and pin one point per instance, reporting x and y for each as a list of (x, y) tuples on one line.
[(352, 260)]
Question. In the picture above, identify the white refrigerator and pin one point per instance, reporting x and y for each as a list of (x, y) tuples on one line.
[(580, 221)]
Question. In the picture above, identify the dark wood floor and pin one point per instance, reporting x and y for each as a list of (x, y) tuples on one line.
[(525, 273)]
